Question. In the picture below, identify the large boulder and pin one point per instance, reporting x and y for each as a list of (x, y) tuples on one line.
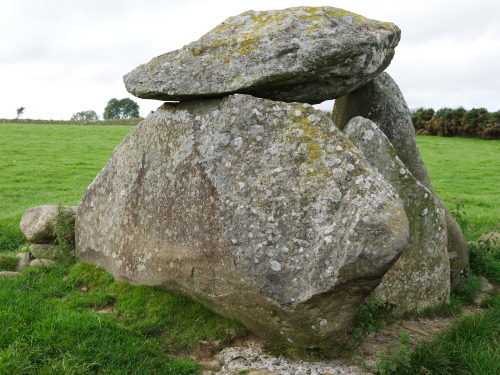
[(382, 102), (303, 54), (261, 210), (37, 223), (421, 276)]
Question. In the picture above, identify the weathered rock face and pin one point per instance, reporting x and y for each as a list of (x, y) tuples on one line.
[(261, 210), (458, 251), (303, 54), (382, 102), (421, 276), (36, 223), (24, 261)]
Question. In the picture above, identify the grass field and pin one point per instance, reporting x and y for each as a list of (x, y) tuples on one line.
[(468, 171), (49, 318), (48, 164)]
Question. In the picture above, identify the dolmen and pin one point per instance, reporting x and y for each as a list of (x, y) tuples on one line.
[(243, 196)]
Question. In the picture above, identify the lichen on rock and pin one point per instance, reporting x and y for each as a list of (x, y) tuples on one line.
[(382, 101), (303, 54), (421, 276), (261, 210)]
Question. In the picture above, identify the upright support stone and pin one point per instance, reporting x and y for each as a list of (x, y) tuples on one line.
[(421, 276), (382, 102)]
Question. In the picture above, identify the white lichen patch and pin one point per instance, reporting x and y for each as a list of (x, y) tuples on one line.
[(275, 266)]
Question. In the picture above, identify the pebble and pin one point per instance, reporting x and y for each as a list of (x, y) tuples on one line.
[(41, 262), (9, 274)]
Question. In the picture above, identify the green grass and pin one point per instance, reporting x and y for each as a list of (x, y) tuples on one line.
[(470, 348), (48, 164), (468, 171), (484, 260), (49, 322), (8, 261), (50, 325)]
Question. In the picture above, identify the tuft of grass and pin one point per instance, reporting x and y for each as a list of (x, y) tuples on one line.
[(484, 259), (64, 231), (371, 316), (177, 320), (471, 347), (452, 308), (467, 289), (8, 261), (89, 276)]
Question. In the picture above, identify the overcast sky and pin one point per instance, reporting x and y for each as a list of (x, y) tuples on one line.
[(59, 57)]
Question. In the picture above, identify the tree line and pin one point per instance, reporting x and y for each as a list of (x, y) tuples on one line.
[(115, 109), (457, 122)]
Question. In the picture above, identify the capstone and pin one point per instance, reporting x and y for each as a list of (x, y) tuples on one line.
[(302, 54)]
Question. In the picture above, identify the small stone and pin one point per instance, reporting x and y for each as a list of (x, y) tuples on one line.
[(9, 274), (262, 372), (37, 223), (413, 327), (41, 250), (24, 261), (41, 262), (214, 365), (492, 237)]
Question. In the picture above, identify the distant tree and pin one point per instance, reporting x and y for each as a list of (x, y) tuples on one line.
[(475, 117), (495, 119), (420, 116), (85, 116), (123, 108), (20, 111), (450, 114)]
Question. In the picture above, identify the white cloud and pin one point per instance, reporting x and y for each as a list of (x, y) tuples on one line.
[(61, 57)]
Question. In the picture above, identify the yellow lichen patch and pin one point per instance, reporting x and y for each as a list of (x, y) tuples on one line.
[(251, 27)]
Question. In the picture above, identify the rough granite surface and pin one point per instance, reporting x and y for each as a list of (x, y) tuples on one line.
[(302, 54), (382, 102), (421, 276), (262, 210)]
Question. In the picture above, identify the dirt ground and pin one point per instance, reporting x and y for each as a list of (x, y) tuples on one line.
[(360, 358)]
